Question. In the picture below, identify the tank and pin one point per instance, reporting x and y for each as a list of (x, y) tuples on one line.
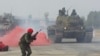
[(71, 27), (7, 23)]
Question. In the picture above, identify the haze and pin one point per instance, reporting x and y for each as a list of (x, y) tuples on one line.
[(37, 8)]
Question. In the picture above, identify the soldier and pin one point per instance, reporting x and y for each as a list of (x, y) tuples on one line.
[(73, 13), (60, 12), (63, 11), (25, 41)]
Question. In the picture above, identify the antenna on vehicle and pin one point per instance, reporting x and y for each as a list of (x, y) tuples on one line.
[(68, 10)]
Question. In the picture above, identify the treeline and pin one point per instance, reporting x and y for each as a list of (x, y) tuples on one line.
[(93, 19)]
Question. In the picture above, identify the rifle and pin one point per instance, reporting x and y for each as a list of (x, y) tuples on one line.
[(34, 36)]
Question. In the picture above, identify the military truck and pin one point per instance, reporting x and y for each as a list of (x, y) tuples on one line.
[(70, 26)]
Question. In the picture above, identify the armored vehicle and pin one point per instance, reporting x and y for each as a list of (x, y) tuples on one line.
[(7, 23), (70, 26)]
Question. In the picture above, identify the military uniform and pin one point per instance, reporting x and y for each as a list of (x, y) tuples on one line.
[(24, 43)]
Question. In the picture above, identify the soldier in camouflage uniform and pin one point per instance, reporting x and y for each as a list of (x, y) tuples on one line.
[(73, 12), (25, 41)]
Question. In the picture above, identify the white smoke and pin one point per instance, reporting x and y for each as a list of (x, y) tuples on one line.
[(33, 23)]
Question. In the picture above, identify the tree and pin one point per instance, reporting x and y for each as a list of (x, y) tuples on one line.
[(93, 19)]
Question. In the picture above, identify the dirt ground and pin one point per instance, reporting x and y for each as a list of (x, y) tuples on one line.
[(62, 49)]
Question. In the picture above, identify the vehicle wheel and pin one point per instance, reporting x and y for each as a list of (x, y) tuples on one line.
[(85, 38), (80, 37), (88, 37)]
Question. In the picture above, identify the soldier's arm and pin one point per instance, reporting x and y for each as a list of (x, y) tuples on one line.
[(34, 36)]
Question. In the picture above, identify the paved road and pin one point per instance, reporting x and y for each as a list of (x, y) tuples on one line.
[(62, 49)]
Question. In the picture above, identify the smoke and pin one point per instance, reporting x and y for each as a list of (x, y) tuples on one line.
[(36, 24), (19, 30)]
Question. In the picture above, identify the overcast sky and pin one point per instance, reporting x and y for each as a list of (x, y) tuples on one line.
[(37, 8)]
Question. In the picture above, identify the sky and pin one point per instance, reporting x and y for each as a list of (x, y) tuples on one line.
[(37, 8)]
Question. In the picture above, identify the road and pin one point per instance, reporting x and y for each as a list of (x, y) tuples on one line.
[(61, 49)]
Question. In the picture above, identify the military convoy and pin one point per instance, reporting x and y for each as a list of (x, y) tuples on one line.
[(70, 26)]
